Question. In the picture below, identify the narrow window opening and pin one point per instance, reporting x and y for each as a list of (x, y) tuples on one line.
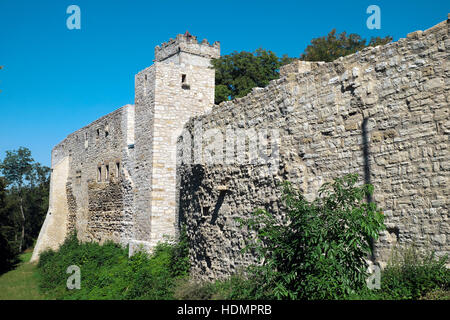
[(78, 177), (107, 173), (86, 141), (99, 174), (184, 83), (118, 170), (98, 133)]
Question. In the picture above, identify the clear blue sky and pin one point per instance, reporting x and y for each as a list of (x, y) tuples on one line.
[(56, 80)]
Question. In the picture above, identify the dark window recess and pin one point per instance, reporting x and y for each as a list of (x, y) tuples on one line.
[(98, 133), (118, 170), (78, 177), (99, 174), (107, 173), (131, 146), (184, 83)]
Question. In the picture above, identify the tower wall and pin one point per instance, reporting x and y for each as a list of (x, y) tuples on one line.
[(179, 85)]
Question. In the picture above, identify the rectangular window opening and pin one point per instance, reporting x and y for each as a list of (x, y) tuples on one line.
[(184, 83), (78, 177), (107, 173), (118, 170), (99, 174)]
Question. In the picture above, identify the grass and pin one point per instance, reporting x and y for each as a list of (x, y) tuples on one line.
[(109, 274), (22, 283)]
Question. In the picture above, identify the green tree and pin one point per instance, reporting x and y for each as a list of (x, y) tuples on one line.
[(27, 192), (16, 167), (316, 250), (239, 72), (36, 198), (329, 48), (8, 226)]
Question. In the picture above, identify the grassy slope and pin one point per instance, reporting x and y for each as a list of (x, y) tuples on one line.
[(22, 282)]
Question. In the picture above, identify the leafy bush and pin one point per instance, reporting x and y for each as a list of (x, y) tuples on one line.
[(315, 250), (412, 275), (108, 273)]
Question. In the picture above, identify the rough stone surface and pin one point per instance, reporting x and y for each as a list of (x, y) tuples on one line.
[(382, 112), (117, 180)]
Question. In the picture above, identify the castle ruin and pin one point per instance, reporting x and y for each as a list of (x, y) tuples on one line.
[(382, 112), (115, 178)]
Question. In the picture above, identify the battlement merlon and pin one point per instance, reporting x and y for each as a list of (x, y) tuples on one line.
[(175, 50)]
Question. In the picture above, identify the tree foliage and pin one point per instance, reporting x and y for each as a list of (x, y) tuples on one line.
[(24, 189), (8, 227), (17, 167), (316, 250), (239, 72), (330, 47)]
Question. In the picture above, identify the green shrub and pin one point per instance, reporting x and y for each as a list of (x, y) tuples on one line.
[(315, 250), (179, 262), (411, 274), (108, 273)]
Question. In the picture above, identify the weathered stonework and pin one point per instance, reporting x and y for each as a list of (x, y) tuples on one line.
[(382, 112), (118, 181)]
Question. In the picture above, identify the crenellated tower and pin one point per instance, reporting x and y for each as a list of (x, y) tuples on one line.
[(179, 85), (185, 49)]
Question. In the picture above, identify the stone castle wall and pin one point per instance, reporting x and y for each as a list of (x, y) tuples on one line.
[(96, 189), (382, 112), (118, 181)]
